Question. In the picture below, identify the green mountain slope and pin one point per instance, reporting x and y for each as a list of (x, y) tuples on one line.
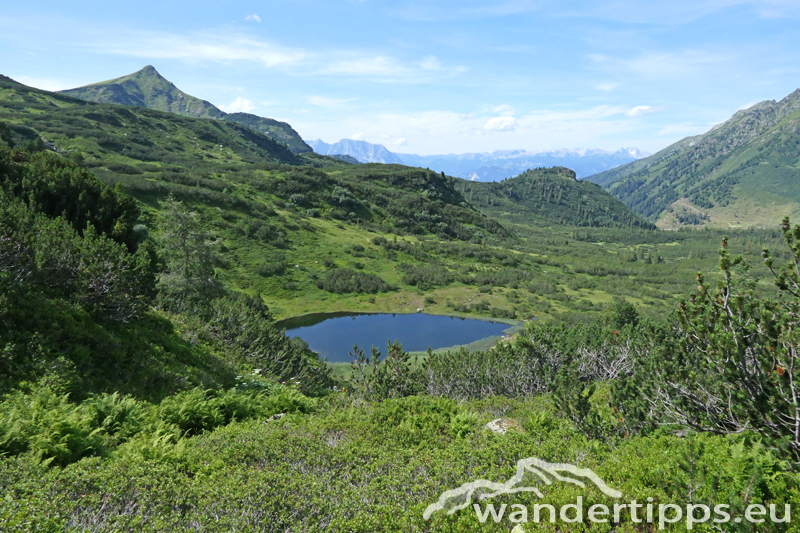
[(147, 88), (744, 172), (121, 137), (312, 234), (550, 196)]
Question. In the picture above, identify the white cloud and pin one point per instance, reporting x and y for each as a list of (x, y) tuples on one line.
[(430, 63), (671, 12), (240, 105), (426, 11), (500, 124), (504, 109), (606, 86), (369, 66), (214, 46), (384, 69), (229, 46), (642, 110), (46, 84), (663, 65), (684, 129), (441, 132), (253, 17), (357, 136), (321, 101)]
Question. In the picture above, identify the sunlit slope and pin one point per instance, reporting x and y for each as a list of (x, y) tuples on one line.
[(147, 88), (118, 135), (550, 196), (744, 172)]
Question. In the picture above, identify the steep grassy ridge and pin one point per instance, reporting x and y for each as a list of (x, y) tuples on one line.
[(147, 88), (745, 172)]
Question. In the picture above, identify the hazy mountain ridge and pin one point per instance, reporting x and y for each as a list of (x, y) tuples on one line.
[(745, 171), (486, 166), (362, 151), (147, 88)]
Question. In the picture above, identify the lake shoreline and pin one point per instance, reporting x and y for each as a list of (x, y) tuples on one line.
[(511, 322), (332, 335)]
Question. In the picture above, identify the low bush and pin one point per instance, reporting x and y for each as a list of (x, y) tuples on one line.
[(345, 280)]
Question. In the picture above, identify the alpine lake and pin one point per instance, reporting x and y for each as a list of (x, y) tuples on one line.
[(333, 335)]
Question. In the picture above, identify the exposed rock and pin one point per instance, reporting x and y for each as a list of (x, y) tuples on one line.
[(504, 425)]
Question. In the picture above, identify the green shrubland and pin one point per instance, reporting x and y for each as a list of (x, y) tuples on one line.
[(145, 386)]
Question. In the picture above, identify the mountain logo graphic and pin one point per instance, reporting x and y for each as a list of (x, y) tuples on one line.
[(532, 467)]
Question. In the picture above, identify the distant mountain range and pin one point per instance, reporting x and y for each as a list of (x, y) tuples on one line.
[(487, 166), (147, 88), (744, 172), (361, 151)]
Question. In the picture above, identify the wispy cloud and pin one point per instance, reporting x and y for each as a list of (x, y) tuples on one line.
[(221, 46), (642, 110), (683, 129), (430, 63), (253, 18), (240, 105), (321, 101), (668, 65), (47, 84), (386, 69), (669, 12), (500, 124), (467, 9), (627, 11), (606, 86), (366, 66)]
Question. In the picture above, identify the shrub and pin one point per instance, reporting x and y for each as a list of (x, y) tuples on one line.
[(344, 280), (425, 277), (49, 257), (57, 187), (733, 365), (275, 265), (393, 377)]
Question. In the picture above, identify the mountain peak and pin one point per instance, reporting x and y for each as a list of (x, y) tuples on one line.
[(148, 70), (147, 88)]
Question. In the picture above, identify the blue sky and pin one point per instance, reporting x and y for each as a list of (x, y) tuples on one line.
[(432, 77)]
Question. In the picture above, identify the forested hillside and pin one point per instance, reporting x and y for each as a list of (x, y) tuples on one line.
[(550, 196), (744, 172), (147, 88)]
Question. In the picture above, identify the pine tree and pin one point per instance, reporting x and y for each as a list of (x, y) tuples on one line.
[(189, 256)]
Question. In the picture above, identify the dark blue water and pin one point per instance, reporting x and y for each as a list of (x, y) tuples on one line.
[(332, 334)]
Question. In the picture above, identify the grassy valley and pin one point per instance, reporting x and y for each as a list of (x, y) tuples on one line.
[(146, 385), (285, 227)]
